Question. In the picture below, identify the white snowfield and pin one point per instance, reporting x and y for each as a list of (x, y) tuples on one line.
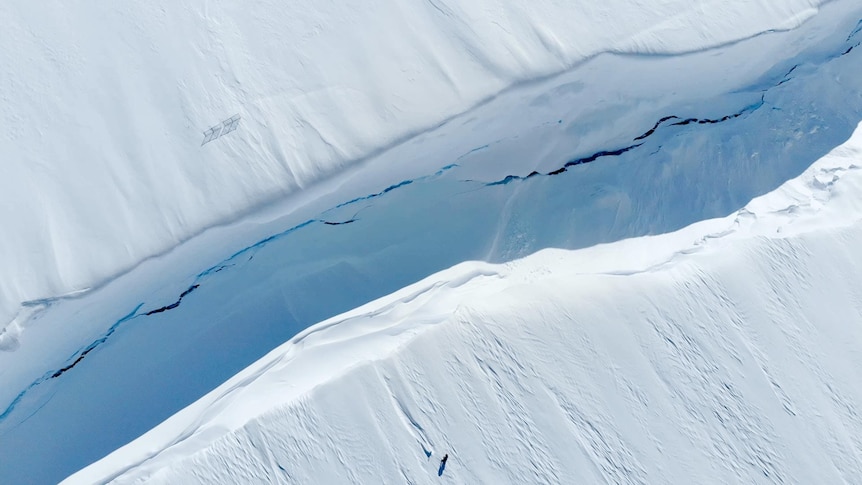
[(726, 352), (378, 144), (104, 105)]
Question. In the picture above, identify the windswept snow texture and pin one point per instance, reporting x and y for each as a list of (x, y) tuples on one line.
[(618, 146), (727, 352)]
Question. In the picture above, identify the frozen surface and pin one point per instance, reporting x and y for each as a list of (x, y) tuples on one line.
[(727, 352), (614, 147), (104, 106)]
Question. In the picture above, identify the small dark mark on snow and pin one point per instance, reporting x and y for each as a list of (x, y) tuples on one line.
[(328, 223), (708, 121), (657, 124), (79, 359), (570, 163), (104, 339), (597, 155), (442, 465), (174, 304), (614, 153), (378, 194), (855, 31)]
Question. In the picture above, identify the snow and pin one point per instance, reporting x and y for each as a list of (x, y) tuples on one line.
[(85, 372), (726, 352), (103, 107)]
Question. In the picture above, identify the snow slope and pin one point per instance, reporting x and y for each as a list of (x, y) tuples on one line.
[(83, 375), (727, 352), (103, 106)]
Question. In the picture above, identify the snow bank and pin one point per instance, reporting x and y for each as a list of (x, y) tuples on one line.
[(726, 352), (104, 106)]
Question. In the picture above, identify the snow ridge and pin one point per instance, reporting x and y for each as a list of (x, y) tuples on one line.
[(703, 355)]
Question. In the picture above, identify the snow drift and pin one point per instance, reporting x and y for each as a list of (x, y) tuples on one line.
[(727, 352)]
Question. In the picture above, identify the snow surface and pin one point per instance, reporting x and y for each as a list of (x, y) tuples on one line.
[(727, 352), (84, 374), (104, 105)]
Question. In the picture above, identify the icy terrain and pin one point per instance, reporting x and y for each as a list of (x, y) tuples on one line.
[(104, 105), (727, 352), (613, 146)]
